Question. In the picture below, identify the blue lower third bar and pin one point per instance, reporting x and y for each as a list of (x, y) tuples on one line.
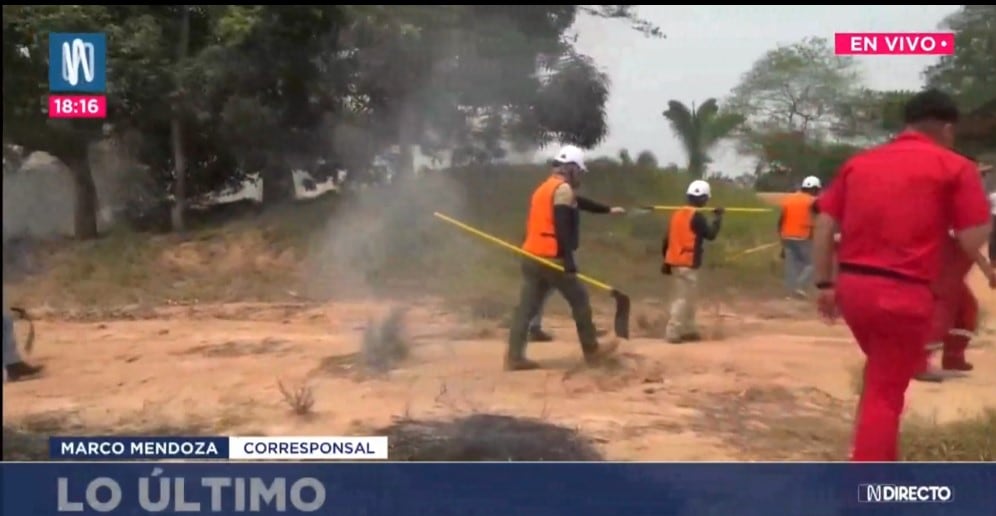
[(137, 448)]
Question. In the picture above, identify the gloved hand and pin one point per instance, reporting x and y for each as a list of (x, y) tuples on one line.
[(718, 211), (666, 269)]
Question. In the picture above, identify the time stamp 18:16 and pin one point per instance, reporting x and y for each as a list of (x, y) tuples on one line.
[(77, 106)]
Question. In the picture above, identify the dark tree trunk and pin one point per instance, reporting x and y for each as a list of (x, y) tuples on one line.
[(176, 131), (85, 207), (278, 184)]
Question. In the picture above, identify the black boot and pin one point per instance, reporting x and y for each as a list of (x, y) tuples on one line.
[(22, 371), (538, 335), (520, 364)]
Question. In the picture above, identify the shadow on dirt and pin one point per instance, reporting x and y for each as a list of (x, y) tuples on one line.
[(487, 437)]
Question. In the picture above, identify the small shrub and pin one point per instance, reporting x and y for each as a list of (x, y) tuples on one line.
[(300, 400)]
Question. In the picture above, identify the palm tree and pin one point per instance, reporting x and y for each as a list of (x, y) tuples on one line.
[(700, 130)]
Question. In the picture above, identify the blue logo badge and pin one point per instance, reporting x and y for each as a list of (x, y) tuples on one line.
[(77, 62)]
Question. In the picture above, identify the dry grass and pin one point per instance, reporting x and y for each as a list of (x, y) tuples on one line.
[(969, 439), (300, 399), (276, 255), (856, 373)]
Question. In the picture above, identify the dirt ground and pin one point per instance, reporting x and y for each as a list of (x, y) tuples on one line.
[(773, 383)]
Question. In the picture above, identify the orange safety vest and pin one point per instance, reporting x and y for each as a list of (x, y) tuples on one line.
[(681, 239), (541, 236), (797, 215)]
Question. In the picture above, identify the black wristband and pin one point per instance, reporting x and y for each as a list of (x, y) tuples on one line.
[(824, 285)]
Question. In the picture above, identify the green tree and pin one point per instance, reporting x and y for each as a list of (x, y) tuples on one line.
[(646, 159), (969, 73), (871, 116), (789, 157), (25, 116), (471, 76), (700, 129), (624, 158), (796, 87)]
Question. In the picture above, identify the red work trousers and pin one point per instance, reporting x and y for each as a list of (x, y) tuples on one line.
[(891, 320), (956, 317)]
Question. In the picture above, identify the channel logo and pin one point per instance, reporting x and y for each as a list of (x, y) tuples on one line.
[(77, 62), (892, 493)]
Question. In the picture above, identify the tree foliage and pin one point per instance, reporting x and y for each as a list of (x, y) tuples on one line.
[(796, 87), (700, 129), (267, 89), (789, 157), (970, 73), (646, 159)]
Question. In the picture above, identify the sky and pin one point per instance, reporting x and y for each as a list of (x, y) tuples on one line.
[(708, 48)]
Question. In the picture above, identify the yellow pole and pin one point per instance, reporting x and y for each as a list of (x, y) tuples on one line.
[(709, 208)]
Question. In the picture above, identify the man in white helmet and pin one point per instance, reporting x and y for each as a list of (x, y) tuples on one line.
[(682, 251), (536, 331), (795, 228), (552, 232)]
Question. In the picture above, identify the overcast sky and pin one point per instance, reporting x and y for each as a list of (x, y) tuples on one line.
[(707, 50)]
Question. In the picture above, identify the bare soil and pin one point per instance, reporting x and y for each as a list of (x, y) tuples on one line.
[(772, 383)]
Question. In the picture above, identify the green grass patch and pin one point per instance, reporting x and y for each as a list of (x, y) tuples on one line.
[(386, 240)]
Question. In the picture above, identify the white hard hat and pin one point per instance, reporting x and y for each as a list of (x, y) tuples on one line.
[(699, 188), (812, 182), (570, 154)]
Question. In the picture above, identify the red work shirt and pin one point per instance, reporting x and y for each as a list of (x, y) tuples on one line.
[(895, 204)]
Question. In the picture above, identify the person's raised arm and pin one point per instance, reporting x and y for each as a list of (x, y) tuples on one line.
[(592, 206)]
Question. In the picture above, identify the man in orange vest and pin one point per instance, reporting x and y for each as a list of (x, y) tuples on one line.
[(682, 250), (795, 227), (536, 331), (552, 232)]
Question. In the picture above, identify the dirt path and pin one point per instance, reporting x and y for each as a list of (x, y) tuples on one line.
[(214, 369)]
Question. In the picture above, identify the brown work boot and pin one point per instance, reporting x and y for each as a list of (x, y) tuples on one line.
[(956, 365), (22, 371), (538, 335), (605, 350), (930, 375), (520, 364)]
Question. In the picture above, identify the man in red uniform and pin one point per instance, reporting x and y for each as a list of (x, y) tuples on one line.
[(894, 206), (956, 312)]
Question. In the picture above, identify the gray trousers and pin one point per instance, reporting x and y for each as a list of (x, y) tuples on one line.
[(536, 323), (537, 282), (10, 353), (798, 263)]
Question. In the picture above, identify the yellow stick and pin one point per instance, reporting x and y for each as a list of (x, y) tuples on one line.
[(752, 250), (709, 208), (515, 249)]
